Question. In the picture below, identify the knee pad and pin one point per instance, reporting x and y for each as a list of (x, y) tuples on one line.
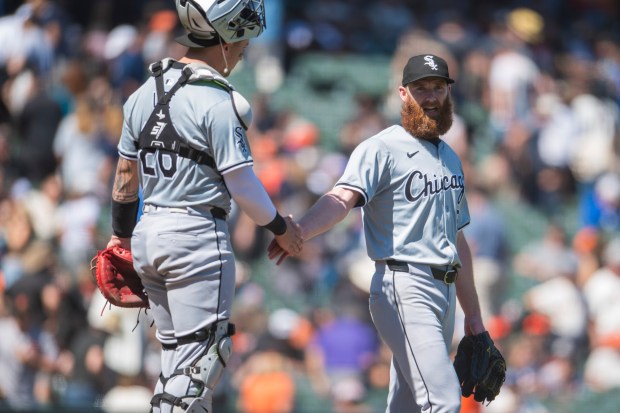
[(212, 364)]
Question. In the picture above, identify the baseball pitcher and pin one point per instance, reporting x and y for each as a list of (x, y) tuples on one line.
[(411, 187)]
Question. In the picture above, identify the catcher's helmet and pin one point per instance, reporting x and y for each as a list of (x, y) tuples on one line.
[(209, 20)]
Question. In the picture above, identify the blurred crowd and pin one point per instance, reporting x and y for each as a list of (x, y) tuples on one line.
[(537, 125)]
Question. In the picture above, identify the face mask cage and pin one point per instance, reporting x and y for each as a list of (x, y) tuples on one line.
[(250, 18)]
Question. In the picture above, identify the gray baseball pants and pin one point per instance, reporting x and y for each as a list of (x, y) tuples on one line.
[(185, 261), (414, 314)]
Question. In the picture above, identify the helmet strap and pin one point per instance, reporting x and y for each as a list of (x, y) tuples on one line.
[(225, 71)]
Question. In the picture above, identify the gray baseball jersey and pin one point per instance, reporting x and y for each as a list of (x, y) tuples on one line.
[(413, 197), (203, 114)]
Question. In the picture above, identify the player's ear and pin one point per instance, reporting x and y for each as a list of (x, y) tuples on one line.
[(403, 91)]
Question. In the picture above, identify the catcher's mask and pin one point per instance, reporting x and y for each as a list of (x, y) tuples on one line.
[(208, 21)]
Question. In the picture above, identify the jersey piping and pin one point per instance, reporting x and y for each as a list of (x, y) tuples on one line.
[(363, 201)]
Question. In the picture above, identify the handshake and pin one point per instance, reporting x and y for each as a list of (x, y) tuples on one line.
[(330, 209), (288, 244)]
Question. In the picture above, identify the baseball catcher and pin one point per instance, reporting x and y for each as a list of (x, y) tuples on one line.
[(480, 367), (116, 278)]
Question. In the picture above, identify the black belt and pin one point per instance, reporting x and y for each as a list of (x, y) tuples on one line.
[(447, 275), (217, 212)]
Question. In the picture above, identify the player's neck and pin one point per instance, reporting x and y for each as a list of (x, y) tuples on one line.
[(434, 140), (209, 56)]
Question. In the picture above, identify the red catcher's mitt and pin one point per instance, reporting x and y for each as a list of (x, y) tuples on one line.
[(116, 278)]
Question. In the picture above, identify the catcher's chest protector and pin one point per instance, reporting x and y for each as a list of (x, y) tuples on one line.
[(159, 133)]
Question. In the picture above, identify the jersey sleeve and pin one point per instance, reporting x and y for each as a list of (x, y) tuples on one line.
[(127, 145), (227, 138), (365, 170)]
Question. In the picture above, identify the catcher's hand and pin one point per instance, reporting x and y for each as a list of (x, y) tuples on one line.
[(480, 367), (116, 278)]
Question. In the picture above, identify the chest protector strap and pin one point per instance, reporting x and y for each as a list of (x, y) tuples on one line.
[(158, 132)]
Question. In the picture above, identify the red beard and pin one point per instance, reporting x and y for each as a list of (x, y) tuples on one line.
[(417, 123)]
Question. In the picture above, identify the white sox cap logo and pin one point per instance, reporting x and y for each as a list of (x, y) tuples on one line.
[(430, 62)]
